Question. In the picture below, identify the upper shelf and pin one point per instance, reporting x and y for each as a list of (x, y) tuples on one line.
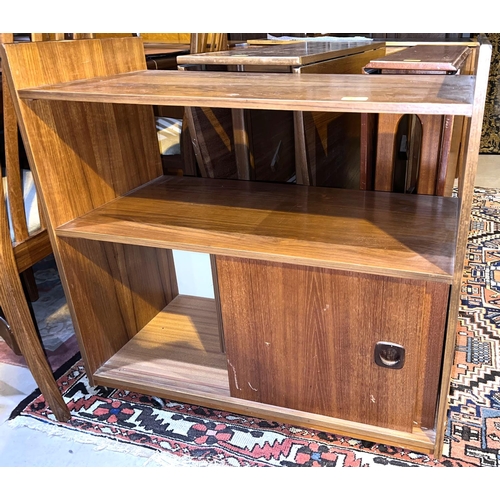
[(398, 235), (434, 94)]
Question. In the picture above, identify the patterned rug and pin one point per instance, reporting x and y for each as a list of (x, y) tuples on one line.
[(490, 133), (197, 436)]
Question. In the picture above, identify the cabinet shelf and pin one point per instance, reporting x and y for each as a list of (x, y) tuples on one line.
[(389, 234), (435, 94), (178, 351)]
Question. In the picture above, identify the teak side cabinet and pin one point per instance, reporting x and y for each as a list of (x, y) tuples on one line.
[(308, 281)]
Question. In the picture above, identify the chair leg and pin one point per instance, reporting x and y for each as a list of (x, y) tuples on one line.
[(15, 305), (31, 348), (6, 334)]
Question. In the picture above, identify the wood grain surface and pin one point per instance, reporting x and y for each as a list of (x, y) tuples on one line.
[(303, 244), (92, 144), (438, 58), (115, 290), (83, 155), (294, 54), (354, 93), (317, 353), (159, 361), (179, 349), (391, 234)]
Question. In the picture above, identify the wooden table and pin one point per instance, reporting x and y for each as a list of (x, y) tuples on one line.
[(310, 131), (433, 142), (290, 57), (426, 59)]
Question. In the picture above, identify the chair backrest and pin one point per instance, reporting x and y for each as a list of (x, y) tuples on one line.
[(208, 42), (14, 180), (25, 219)]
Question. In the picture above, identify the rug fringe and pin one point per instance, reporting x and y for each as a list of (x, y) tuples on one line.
[(154, 457)]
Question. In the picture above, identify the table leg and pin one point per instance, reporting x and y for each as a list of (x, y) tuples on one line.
[(244, 159), (302, 171)]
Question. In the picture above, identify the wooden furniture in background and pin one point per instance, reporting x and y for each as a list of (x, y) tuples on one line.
[(182, 38), (330, 272), (208, 42), (22, 245), (195, 118), (320, 148), (431, 142), (164, 55)]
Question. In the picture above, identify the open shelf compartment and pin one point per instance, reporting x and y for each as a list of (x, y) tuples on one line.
[(179, 350), (389, 234)]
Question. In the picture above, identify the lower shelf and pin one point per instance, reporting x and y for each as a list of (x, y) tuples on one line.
[(179, 350), (177, 355)]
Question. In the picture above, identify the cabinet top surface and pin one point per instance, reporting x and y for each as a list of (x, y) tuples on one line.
[(430, 94), (292, 54)]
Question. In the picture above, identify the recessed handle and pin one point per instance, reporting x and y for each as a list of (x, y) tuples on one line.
[(389, 355)]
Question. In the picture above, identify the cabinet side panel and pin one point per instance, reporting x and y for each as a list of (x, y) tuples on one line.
[(116, 290), (304, 338), (82, 154), (86, 154)]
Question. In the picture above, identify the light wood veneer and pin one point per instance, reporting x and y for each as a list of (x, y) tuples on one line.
[(383, 233), (178, 350)]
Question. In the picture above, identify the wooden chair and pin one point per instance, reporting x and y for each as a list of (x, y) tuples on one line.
[(208, 42), (24, 241)]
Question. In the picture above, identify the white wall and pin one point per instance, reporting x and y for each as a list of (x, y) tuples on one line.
[(194, 273)]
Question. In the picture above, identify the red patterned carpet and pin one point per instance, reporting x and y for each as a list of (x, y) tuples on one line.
[(204, 436)]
